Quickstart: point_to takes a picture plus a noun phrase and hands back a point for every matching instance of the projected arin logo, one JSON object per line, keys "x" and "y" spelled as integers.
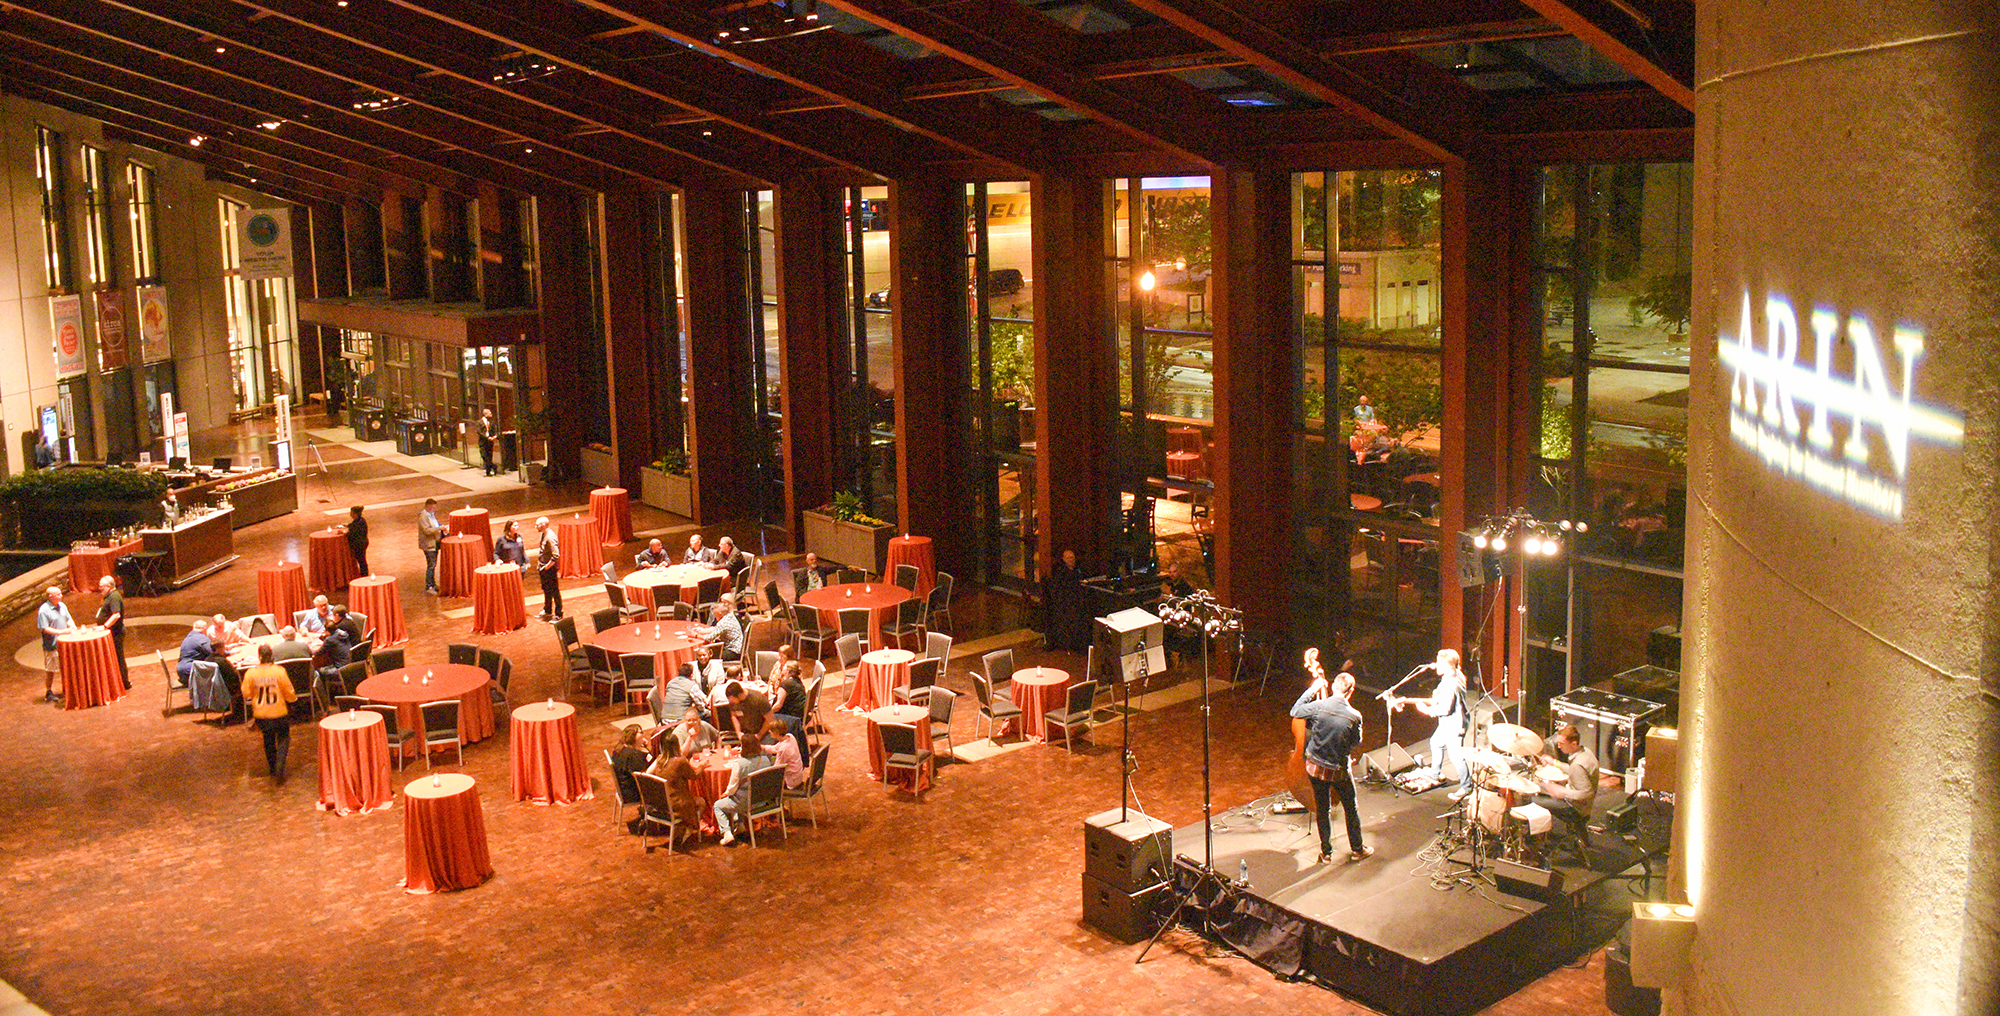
{"x": 1782, "y": 410}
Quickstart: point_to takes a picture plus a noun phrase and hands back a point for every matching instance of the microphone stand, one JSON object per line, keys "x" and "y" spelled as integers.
{"x": 1389, "y": 723}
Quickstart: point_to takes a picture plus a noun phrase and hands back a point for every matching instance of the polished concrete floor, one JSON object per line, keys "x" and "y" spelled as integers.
{"x": 150, "y": 866}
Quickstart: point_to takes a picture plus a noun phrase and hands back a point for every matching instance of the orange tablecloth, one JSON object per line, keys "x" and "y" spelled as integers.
{"x": 881, "y": 597}
{"x": 672, "y": 643}
{"x": 1037, "y": 690}
{"x": 878, "y": 757}
{"x": 914, "y": 550}
{"x": 612, "y": 508}
{"x": 1186, "y": 466}
{"x": 89, "y": 668}
{"x": 444, "y": 835}
{"x": 354, "y": 764}
{"x": 711, "y": 778}
{"x": 474, "y": 522}
{"x": 545, "y": 758}
{"x": 281, "y": 590}
{"x": 87, "y": 566}
{"x": 457, "y": 557}
{"x": 1184, "y": 439}
{"x": 332, "y": 566}
{"x": 376, "y": 596}
{"x": 1363, "y": 502}
{"x": 684, "y": 579}
{"x": 497, "y": 604}
{"x": 576, "y": 541}
{"x": 877, "y": 677}
{"x": 461, "y": 681}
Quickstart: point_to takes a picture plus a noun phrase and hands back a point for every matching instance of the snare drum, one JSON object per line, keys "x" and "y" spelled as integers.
{"x": 1487, "y": 808}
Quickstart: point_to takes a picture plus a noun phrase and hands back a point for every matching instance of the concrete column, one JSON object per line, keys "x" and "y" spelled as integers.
{"x": 720, "y": 424}
{"x": 1836, "y": 813}
{"x": 566, "y": 285}
{"x": 626, "y": 228}
{"x": 1076, "y": 373}
{"x": 927, "y": 301}
{"x": 812, "y": 287}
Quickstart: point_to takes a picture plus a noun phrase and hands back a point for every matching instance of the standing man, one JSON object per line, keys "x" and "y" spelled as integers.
{"x": 269, "y": 691}
{"x": 429, "y": 532}
{"x": 1333, "y": 728}
{"x": 53, "y": 619}
{"x": 1447, "y": 704}
{"x": 488, "y": 430}
{"x": 111, "y": 614}
{"x": 357, "y": 538}
{"x": 548, "y": 558}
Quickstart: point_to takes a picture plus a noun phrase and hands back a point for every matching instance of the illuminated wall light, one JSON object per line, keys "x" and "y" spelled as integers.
{"x": 196, "y": 141}
{"x": 1662, "y": 944}
{"x": 221, "y": 49}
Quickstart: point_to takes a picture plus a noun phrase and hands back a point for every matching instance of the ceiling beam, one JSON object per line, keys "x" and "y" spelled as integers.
{"x": 1437, "y": 132}
{"x": 1659, "y": 55}
{"x": 1011, "y": 43}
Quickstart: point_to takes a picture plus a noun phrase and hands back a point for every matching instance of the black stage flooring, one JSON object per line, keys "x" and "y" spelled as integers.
{"x": 1378, "y": 929}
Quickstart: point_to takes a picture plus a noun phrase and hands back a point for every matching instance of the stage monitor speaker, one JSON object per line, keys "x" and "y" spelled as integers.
{"x": 1128, "y": 855}
{"x": 1127, "y": 916}
{"x": 1663, "y": 647}
{"x": 1543, "y": 884}
{"x": 1488, "y": 711}
{"x": 1389, "y": 761}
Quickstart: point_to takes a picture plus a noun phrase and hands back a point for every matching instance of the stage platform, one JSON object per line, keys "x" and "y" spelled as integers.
{"x": 1379, "y": 930}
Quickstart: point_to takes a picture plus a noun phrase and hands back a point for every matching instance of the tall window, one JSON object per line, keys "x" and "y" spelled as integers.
{"x": 1001, "y": 342}
{"x": 760, "y": 243}
{"x": 55, "y": 212}
{"x": 97, "y": 214}
{"x": 867, "y": 408}
{"x": 145, "y": 221}
{"x": 262, "y": 321}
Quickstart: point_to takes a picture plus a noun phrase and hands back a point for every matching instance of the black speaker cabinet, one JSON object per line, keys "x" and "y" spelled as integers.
{"x": 1127, "y": 916}
{"x": 1543, "y": 884}
{"x": 1621, "y": 996}
{"x": 1129, "y": 855}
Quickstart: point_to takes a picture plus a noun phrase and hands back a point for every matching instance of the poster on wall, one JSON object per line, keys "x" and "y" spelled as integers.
{"x": 154, "y": 344}
{"x": 111, "y": 353}
{"x": 66, "y": 326}
{"x": 266, "y": 243}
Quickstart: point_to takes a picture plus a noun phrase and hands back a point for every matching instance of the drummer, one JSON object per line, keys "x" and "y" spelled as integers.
{"x": 1571, "y": 797}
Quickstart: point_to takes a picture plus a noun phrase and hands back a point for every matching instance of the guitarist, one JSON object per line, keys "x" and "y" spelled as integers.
{"x": 1447, "y": 704}
{"x": 1332, "y": 729}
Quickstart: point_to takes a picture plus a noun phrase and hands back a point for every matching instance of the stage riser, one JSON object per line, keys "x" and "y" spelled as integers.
{"x": 1458, "y": 985}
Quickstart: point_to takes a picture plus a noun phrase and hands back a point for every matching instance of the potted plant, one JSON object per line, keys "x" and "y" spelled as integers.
{"x": 598, "y": 464}
{"x": 667, "y": 485}
{"x": 843, "y": 533}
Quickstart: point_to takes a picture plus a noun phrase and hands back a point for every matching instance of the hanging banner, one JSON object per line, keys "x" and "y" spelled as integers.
{"x": 111, "y": 353}
{"x": 267, "y": 243}
{"x": 154, "y": 344}
{"x": 66, "y": 326}
{"x": 167, "y": 423}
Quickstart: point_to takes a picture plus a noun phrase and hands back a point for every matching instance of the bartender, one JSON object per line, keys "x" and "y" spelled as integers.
{"x": 170, "y": 511}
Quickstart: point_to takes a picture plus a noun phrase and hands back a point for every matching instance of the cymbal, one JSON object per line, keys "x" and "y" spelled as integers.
{"x": 1515, "y": 782}
{"x": 1514, "y": 740}
{"x": 1485, "y": 758}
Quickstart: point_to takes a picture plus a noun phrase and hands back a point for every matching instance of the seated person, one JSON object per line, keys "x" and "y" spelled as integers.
{"x": 788, "y": 702}
{"x": 785, "y": 750}
{"x": 696, "y": 553}
{"x": 673, "y": 766}
{"x": 733, "y": 561}
{"x": 728, "y": 630}
{"x": 811, "y": 575}
{"x": 627, "y": 758}
{"x": 346, "y": 622}
{"x": 316, "y": 622}
{"x": 508, "y": 549}
{"x": 1570, "y": 801}
{"x": 735, "y": 800}
{"x": 195, "y": 646}
{"x": 223, "y": 632}
{"x": 335, "y": 651}
{"x": 677, "y": 694}
{"x": 290, "y": 646}
{"x": 654, "y": 556}
{"x": 694, "y": 734}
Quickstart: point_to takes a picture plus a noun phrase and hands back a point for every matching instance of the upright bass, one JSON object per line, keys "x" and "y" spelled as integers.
{"x": 1295, "y": 766}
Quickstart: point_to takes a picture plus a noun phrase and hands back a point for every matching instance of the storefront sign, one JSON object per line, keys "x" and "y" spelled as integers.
{"x": 111, "y": 353}
{"x": 266, "y": 236}
{"x": 66, "y": 327}
{"x": 181, "y": 435}
{"x": 154, "y": 342}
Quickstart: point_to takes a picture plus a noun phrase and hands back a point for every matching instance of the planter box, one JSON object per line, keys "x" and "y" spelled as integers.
{"x": 669, "y": 492}
{"x": 848, "y": 543}
{"x": 600, "y": 469}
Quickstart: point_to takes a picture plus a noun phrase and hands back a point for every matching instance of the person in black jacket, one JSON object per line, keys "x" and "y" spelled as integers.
{"x": 1333, "y": 728}
{"x": 357, "y": 538}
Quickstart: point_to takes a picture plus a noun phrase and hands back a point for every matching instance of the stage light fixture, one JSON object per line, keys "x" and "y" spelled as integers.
{"x": 1500, "y": 545}
{"x": 1479, "y": 539}
{"x": 1582, "y": 527}
{"x": 1564, "y": 525}
{"x": 1532, "y": 545}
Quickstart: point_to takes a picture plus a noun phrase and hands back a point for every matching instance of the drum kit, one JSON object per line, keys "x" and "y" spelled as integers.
{"x": 1500, "y": 817}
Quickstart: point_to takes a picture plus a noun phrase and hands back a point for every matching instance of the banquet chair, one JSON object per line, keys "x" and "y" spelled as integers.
{"x": 767, "y": 798}
{"x": 765, "y": 660}
{"x": 855, "y": 621}
{"x": 604, "y": 619}
{"x": 349, "y": 677}
{"x": 999, "y": 666}
{"x": 992, "y": 708}
{"x": 849, "y": 651}
{"x": 392, "y": 727}
{"x": 806, "y": 628}
{"x": 941, "y": 701}
{"x": 385, "y": 659}
{"x": 610, "y": 572}
{"x": 618, "y": 798}
{"x": 938, "y": 605}
{"x": 605, "y": 672}
{"x": 206, "y": 689}
{"x": 900, "y": 751}
{"x": 938, "y": 647}
{"x": 815, "y": 723}
{"x": 923, "y": 678}
{"x": 466, "y": 654}
{"x": 572, "y": 650}
{"x": 708, "y": 595}
{"x": 907, "y": 575}
{"x": 677, "y": 610}
{"x": 637, "y": 669}
{"x": 814, "y": 790}
{"x": 489, "y": 661}
{"x": 440, "y": 721}
{"x": 367, "y": 630}
{"x": 499, "y": 692}
{"x": 615, "y": 592}
{"x": 774, "y": 601}
{"x": 299, "y": 618}
{"x": 1077, "y": 711}
{"x": 1106, "y": 682}
{"x": 361, "y": 652}
{"x": 655, "y": 808}
{"x": 173, "y": 684}
{"x": 300, "y": 673}
{"x": 747, "y": 578}
{"x": 853, "y": 575}
{"x": 342, "y": 703}
{"x": 909, "y": 621}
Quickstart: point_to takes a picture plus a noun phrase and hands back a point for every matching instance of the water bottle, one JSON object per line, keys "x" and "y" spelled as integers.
{"x": 1243, "y": 871}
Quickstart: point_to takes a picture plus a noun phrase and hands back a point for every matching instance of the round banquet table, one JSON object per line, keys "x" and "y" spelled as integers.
{"x": 878, "y": 757}
{"x": 612, "y": 508}
{"x": 1184, "y": 439}
{"x": 881, "y": 597}
{"x": 672, "y": 643}
{"x": 87, "y": 566}
{"x": 281, "y": 590}
{"x": 576, "y": 541}
{"x": 685, "y": 580}
{"x": 376, "y": 597}
{"x": 1037, "y": 690}
{"x": 497, "y": 605}
{"x": 1185, "y": 466}
{"x": 545, "y": 758}
{"x": 457, "y": 557}
{"x": 327, "y": 555}
{"x": 243, "y": 655}
{"x": 1363, "y": 502}
{"x": 354, "y": 763}
{"x": 875, "y": 680}
{"x": 478, "y": 522}
{"x": 711, "y": 778}
{"x": 90, "y": 674}
{"x": 444, "y": 835}
{"x": 461, "y": 681}
{"x": 916, "y": 550}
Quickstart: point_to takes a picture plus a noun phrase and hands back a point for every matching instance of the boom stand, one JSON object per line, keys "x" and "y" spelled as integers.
{"x": 1389, "y": 724}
